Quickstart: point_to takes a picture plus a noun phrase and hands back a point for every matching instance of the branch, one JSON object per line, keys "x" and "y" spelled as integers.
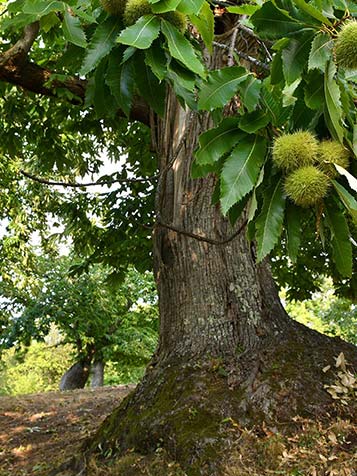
{"x": 89, "y": 184}
{"x": 16, "y": 69}
{"x": 203, "y": 238}
{"x": 21, "y": 48}
{"x": 243, "y": 55}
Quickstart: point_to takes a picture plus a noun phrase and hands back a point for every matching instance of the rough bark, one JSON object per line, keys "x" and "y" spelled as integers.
{"x": 227, "y": 350}
{"x": 97, "y": 374}
{"x": 75, "y": 377}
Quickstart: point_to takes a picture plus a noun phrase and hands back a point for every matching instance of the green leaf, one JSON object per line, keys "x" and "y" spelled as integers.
{"x": 181, "y": 49}
{"x": 333, "y": 102}
{"x": 179, "y": 75}
{"x": 220, "y": 87}
{"x": 352, "y": 181}
{"x": 273, "y": 23}
{"x": 103, "y": 101}
{"x": 163, "y": 6}
{"x": 41, "y": 8}
{"x": 288, "y": 93}
{"x": 241, "y": 170}
{"x": 295, "y": 57}
{"x": 142, "y": 33}
{"x": 149, "y": 87}
{"x": 101, "y": 43}
{"x": 72, "y": 30}
{"x": 293, "y": 230}
{"x": 249, "y": 91}
{"x": 254, "y": 121}
{"x": 321, "y": 51}
{"x": 269, "y": 223}
{"x": 243, "y": 9}
{"x": 155, "y": 58}
{"x": 314, "y": 90}
{"x": 120, "y": 79}
{"x": 218, "y": 141}
{"x": 347, "y": 199}
{"x": 312, "y": 11}
{"x": 190, "y": 7}
{"x": 204, "y": 22}
{"x": 340, "y": 240}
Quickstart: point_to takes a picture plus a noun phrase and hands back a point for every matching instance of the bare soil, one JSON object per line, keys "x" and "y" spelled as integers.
{"x": 39, "y": 431}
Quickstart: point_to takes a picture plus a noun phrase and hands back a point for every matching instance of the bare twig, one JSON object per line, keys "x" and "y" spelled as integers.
{"x": 243, "y": 55}
{"x": 203, "y": 238}
{"x": 230, "y": 61}
{"x": 89, "y": 184}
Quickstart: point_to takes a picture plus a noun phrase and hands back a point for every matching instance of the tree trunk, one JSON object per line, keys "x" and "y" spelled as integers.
{"x": 97, "y": 374}
{"x": 75, "y": 377}
{"x": 227, "y": 349}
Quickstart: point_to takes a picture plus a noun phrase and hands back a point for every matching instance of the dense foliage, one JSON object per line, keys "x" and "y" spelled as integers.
{"x": 295, "y": 82}
{"x": 97, "y": 321}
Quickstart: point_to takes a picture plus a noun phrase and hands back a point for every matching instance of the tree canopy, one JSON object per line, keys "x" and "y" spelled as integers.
{"x": 295, "y": 82}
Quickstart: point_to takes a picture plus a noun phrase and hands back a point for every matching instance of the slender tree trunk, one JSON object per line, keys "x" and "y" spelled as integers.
{"x": 97, "y": 374}
{"x": 227, "y": 348}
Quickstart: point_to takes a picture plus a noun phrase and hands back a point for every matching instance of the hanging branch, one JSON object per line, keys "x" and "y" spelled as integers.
{"x": 203, "y": 238}
{"x": 89, "y": 184}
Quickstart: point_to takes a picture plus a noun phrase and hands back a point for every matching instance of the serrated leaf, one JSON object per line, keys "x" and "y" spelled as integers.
{"x": 254, "y": 121}
{"x": 340, "y": 240}
{"x": 312, "y": 11}
{"x": 103, "y": 101}
{"x": 190, "y": 7}
{"x": 220, "y": 87}
{"x": 120, "y": 79}
{"x": 347, "y": 199}
{"x": 180, "y": 75}
{"x": 41, "y": 8}
{"x": 155, "y": 58}
{"x": 72, "y": 30}
{"x": 274, "y": 23}
{"x": 101, "y": 43}
{"x": 165, "y": 6}
{"x": 181, "y": 49}
{"x": 321, "y": 50}
{"x": 314, "y": 90}
{"x": 249, "y": 91}
{"x": 204, "y": 22}
{"x": 288, "y": 93}
{"x": 142, "y": 33}
{"x": 295, "y": 56}
{"x": 241, "y": 170}
{"x": 333, "y": 102}
{"x": 269, "y": 223}
{"x": 352, "y": 181}
{"x": 272, "y": 105}
{"x": 149, "y": 87}
{"x": 243, "y": 9}
{"x": 293, "y": 230}
{"x": 216, "y": 142}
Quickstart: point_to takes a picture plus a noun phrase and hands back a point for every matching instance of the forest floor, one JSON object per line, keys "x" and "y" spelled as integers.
{"x": 40, "y": 431}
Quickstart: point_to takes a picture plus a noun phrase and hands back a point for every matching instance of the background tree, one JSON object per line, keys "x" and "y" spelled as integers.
{"x": 267, "y": 96}
{"x": 96, "y": 319}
